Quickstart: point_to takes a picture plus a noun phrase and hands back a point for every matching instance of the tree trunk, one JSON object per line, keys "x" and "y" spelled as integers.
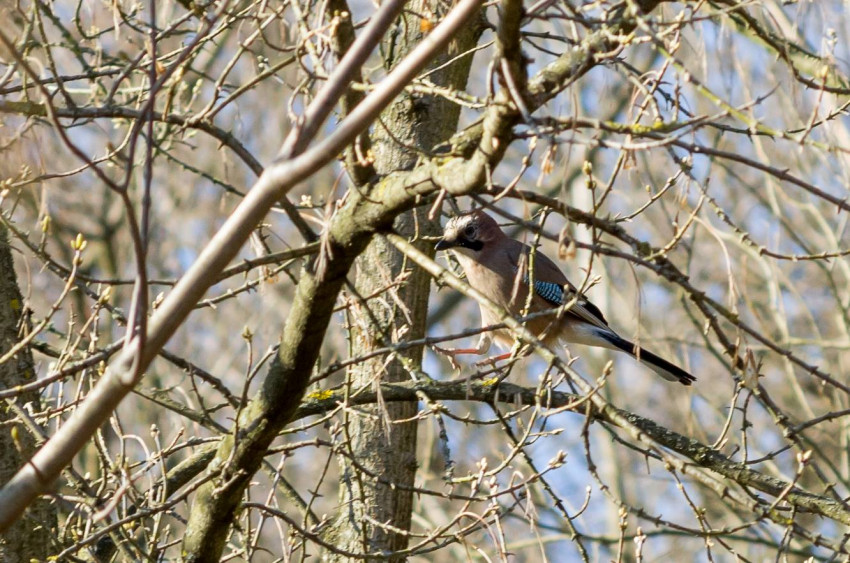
{"x": 28, "y": 539}
{"x": 386, "y": 450}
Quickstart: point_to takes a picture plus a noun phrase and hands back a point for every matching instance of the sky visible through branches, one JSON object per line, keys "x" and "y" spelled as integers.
{"x": 685, "y": 164}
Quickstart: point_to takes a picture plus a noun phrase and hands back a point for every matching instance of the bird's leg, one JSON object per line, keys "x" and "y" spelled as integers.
{"x": 483, "y": 345}
{"x": 493, "y": 360}
{"x": 518, "y": 351}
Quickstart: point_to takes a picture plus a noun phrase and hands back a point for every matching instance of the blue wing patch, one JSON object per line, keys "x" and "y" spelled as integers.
{"x": 550, "y": 291}
{"x": 557, "y": 294}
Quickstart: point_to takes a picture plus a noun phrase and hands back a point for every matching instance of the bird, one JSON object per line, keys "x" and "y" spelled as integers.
{"x": 503, "y": 268}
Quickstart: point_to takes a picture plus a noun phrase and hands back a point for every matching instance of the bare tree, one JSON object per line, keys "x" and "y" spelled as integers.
{"x": 201, "y": 398}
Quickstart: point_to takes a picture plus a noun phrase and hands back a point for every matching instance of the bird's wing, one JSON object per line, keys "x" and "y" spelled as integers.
{"x": 552, "y": 286}
{"x": 558, "y": 295}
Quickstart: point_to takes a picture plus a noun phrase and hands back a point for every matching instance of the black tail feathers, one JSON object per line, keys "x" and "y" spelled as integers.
{"x": 659, "y": 365}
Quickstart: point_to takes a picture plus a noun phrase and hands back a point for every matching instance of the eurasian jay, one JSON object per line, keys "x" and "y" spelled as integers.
{"x": 501, "y": 267}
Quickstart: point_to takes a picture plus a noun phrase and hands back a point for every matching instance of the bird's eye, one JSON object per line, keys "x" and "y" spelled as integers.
{"x": 469, "y": 231}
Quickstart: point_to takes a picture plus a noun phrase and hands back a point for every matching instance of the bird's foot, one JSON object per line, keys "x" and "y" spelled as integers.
{"x": 492, "y": 360}
{"x": 451, "y": 353}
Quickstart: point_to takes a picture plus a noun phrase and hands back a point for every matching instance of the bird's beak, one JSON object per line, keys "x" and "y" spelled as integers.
{"x": 444, "y": 244}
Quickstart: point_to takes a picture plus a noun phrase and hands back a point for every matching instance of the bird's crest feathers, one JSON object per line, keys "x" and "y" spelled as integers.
{"x": 474, "y": 226}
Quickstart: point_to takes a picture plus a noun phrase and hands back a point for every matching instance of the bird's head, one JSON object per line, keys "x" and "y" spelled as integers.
{"x": 469, "y": 233}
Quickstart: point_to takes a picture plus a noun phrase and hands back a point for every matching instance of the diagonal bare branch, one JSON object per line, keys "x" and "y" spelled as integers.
{"x": 276, "y": 180}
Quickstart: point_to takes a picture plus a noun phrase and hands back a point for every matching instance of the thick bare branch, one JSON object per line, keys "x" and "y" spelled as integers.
{"x": 697, "y": 453}
{"x": 274, "y": 182}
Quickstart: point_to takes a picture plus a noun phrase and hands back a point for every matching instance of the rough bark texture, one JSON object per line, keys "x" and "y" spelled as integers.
{"x": 384, "y": 449}
{"x": 28, "y": 539}
{"x": 387, "y": 450}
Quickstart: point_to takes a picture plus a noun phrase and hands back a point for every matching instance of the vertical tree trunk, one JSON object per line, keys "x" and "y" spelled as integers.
{"x": 387, "y": 450}
{"x": 28, "y": 539}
